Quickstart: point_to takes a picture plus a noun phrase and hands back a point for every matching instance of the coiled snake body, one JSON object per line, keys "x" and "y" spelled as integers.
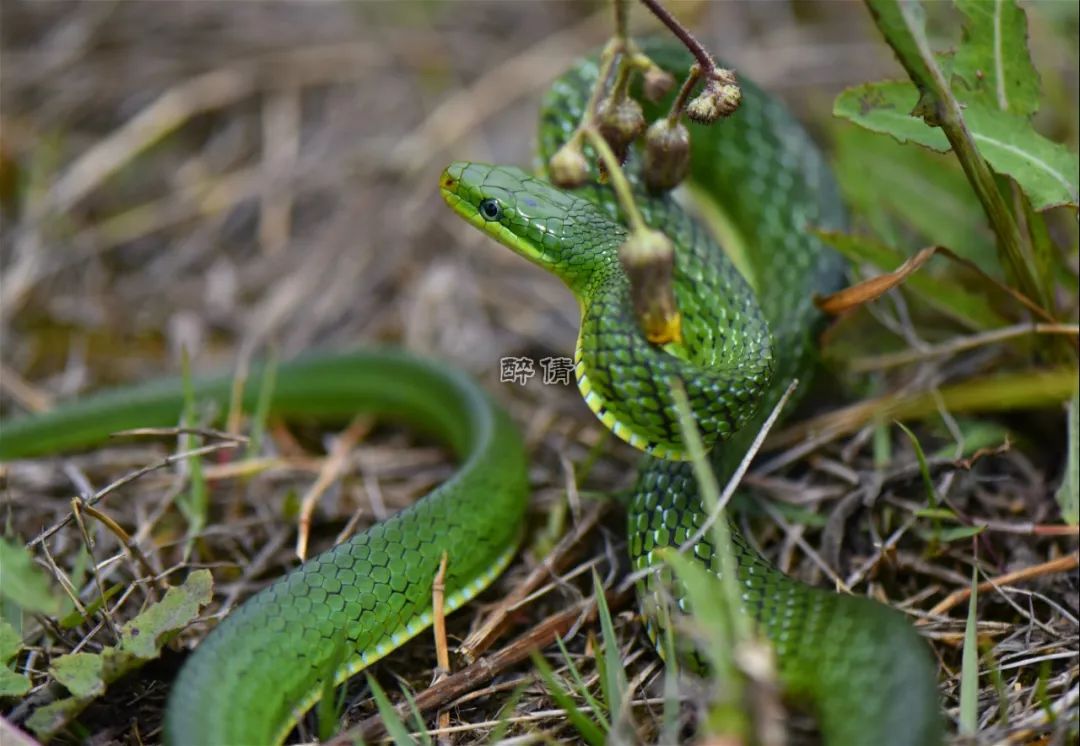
{"x": 860, "y": 665}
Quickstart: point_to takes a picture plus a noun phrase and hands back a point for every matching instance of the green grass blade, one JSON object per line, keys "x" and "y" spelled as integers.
{"x": 581, "y": 687}
{"x": 614, "y": 673}
{"x": 969, "y": 670}
{"x": 417, "y": 716}
{"x": 262, "y": 405}
{"x": 589, "y": 731}
{"x": 195, "y": 504}
{"x": 394, "y": 726}
{"x": 329, "y": 709}
{"x": 1068, "y": 494}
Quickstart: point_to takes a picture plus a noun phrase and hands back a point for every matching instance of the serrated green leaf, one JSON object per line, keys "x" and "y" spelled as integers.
{"x": 1045, "y": 170}
{"x": 144, "y": 635}
{"x": 1068, "y": 494}
{"x": 887, "y": 107}
{"x": 23, "y": 582}
{"x": 959, "y": 303}
{"x": 992, "y": 66}
{"x": 80, "y": 673}
{"x": 140, "y": 640}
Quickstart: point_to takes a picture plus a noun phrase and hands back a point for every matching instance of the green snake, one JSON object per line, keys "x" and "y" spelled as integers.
{"x": 861, "y": 667}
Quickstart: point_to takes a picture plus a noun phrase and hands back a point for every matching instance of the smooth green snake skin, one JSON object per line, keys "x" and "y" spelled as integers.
{"x": 860, "y": 665}
{"x": 259, "y": 670}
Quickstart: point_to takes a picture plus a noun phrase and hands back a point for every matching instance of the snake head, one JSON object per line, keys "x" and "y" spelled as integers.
{"x": 562, "y": 233}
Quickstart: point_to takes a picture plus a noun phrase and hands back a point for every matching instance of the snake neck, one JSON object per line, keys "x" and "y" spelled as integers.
{"x": 724, "y": 361}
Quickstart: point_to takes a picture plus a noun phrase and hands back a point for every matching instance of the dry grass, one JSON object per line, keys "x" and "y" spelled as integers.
{"x": 238, "y": 178}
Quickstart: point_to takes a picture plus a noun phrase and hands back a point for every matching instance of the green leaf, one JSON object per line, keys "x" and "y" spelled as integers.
{"x": 81, "y": 673}
{"x": 992, "y": 65}
{"x": 1068, "y": 494}
{"x": 887, "y": 107}
{"x": 1045, "y": 170}
{"x": 11, "y": 684}
{"x": 144, "y": 635}
{"x": 10, "y": 642}
{"x": 884, "y": 181}
{"x": 971, "y": 310}
{"x": 24, "y": 583}
{"x": 87, "y": 674}
{"x": 48, "y": 720}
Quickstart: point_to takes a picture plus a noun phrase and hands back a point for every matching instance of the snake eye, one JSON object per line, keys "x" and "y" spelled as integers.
{"x": 490, "y": 209}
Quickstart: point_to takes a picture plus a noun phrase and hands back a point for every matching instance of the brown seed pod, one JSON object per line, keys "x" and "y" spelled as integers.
{"x": 648, "y": 257}
{"x": 658, "y": 83}
{"x": 620, "y": 122}
{"x": 667, "y": 154}
{"x": 720, "y": 98}
{"x": 568, "y": 168}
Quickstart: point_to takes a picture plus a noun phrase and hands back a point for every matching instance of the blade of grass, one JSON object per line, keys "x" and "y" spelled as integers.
{"x": 194, "y": 506}
{"x": 931, "y": 491}
{"x": 589, "y": 731}
{"x": 1068, "y": 494}
{"x": 262, "y": 405}
{"x": 710, "y": 495}
{"x": 394, "y": 726}
{"x": 417, "y": 716}
{"x": 614, "y": 673}
{"x": 329, "y": 709}
{"x": 580, "y": 685}
{"x": 969, "y": 670}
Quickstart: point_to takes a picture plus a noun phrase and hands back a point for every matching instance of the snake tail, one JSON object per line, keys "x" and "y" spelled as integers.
{"x": 262, "y": 668}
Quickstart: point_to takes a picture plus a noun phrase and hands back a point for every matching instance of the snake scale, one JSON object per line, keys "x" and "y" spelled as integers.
{"x": 860, "y": 665}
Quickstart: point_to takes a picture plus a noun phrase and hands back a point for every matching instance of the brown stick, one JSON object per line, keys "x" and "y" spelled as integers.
{"x": 480, "y": 640}
{"x": 1061, "y": 564}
